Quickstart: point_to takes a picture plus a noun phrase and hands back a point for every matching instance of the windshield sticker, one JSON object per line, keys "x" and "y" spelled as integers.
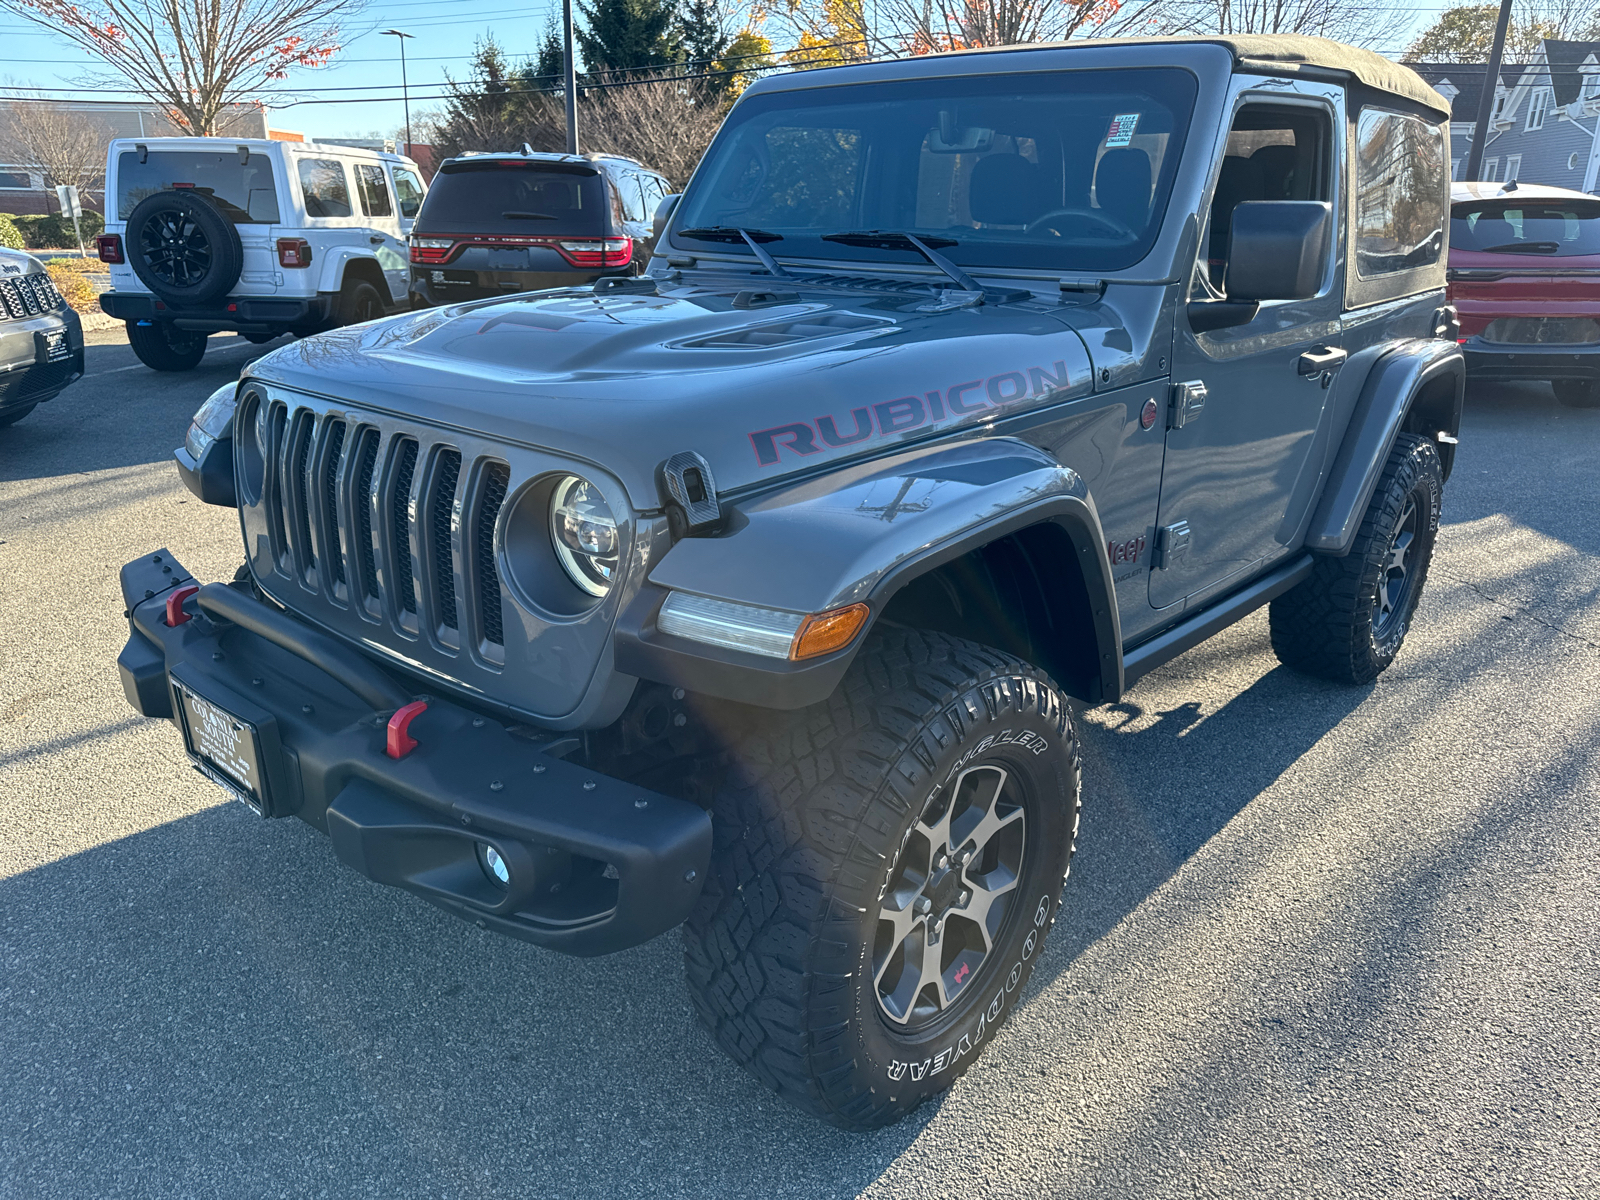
{"x": 1121, "y": 132}
{"x": 906, "y": 413}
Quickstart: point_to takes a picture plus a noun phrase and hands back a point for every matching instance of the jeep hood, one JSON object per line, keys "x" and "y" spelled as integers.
{"x": 761, "y": 385}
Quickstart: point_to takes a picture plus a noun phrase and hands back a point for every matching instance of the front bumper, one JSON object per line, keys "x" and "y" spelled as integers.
{"x": 597, "y": 865}
{"x": 27, "y": 377}
{"x": 238, "y": 314}
{"x": 1508, "y": 361}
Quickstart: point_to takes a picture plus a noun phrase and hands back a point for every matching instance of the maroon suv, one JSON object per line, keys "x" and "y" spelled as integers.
{"x": 1525, "y": 277}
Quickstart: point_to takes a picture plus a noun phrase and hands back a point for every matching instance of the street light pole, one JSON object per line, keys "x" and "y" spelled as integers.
{"x": 1491, "y": 76}
{"x": 405, "y": 91}
{"x": 572, "y": 77}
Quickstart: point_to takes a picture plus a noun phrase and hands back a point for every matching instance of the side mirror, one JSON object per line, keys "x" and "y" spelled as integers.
{"x": 1278, "y": 249}
{"x": 663, "y": 215}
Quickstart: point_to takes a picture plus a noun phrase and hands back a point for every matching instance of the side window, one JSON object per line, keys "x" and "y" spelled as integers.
{"x": 374, "y": 191}
{"x": 1272, "y": 154}
{"x": 408, "y": 190}
{"x": 626, "y": 184}
{"x": 1400, "y": 193}
{"x": 323, "y": 185}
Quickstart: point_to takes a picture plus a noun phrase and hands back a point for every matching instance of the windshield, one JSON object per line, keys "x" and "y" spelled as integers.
{"x": 500, "y": 196}
{"x": 1547, "y": 229}
{"x": 245, "y": 192}
{"x": 1068, "y": 170}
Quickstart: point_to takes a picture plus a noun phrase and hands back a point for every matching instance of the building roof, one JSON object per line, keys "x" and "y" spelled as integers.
{"x": 1566, "y": 60}
{"x": 1466, "y": 79}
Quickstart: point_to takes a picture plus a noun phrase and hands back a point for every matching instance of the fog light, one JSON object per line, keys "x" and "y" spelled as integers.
{"x": 494, "y": 864}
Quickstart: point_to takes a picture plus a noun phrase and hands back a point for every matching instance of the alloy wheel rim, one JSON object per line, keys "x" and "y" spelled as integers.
{"x": 948, "y": 895}
{"x": 176, "y": 250}
{"x": 1395, "y": 574}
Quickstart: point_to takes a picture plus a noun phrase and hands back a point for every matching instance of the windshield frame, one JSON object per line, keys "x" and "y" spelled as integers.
{"x": 1195, "y": 94}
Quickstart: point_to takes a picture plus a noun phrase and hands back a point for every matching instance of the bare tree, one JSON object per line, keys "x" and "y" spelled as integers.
{"x": 69, "y": 147}
{"x": 194, "y": 58}
{"x": 666, "y": 124}
{"x": 1357, "y": 22}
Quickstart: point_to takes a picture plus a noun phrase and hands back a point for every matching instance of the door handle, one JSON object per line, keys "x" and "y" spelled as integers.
{"x": 376, "y": 241}
{"x": 1321, "y": 358}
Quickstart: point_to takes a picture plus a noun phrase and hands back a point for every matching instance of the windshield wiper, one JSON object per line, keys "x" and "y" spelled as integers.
{"x": 526, "y": 216}
{"x": 888, "y": 239}
{"x": 1524, "y": 248}
{"x": 750, "y": 237}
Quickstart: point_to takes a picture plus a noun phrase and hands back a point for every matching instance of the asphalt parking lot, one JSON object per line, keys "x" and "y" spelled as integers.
{"x": 1317, "y": 942}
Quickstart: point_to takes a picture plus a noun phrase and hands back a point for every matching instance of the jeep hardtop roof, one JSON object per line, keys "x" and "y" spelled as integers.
{"x": 255, "y": 144}
{"x": 1277, "y": 52}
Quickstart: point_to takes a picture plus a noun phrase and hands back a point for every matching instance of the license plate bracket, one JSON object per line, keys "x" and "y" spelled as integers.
{"x": 230, "y": 741}
{"x": 52, "y": 346}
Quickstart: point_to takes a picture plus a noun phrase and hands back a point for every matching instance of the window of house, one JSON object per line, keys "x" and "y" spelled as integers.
{"x": 1538, "y": 104}
{"x": 1572, "y": 161}
{"x": 1591, "y": 87}
{"x": 1499, "y": 104}
{"x": 1455, "y": 168}
{"x": 323, "y": 184}
{"x": 408, "y": 188}
{"x": 1400, "y": 193}
{"x": 374, "y": 190}
{"x": 1272, "y": 154}
{"x": 1513, "y": 165}
{"x": 1491, "y": 170}
{"x": 16, "y": 179}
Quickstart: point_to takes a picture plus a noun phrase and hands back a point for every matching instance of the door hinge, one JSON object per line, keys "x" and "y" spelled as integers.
{"x": 1188, "y": 402}
{"x": 1172, "y": 545}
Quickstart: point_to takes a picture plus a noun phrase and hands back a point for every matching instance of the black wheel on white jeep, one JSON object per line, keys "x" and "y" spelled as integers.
{"x": 359, "y": 302}
{"x": 164, "y": 347}
{"x": 887, "y": 864}
{"x": 183, "y": 248}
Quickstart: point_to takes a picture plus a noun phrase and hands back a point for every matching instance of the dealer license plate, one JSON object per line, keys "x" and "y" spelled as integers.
{"x": 226, "y": 749}
{"x": 55, "y": 346}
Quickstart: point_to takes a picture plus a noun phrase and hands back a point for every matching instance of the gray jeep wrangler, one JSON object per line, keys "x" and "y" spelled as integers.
{"x": 754, "y": 595}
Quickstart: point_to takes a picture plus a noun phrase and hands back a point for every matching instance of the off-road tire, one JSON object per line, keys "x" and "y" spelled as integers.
{"x": 12, "y": 416}
{"x": 1577, "y": 393}
{"x": 1331, "y": 625}
{"x": 811, "y": 816}
{"x": 359, "y": 302}
{"x": 161, "y": 347}
{"x": 183, "y": 248}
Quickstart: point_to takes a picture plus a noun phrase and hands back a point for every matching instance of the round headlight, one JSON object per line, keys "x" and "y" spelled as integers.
{"x": 585, "y": 534}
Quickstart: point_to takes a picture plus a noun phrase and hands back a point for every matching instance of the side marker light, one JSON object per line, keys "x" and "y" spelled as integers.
{"x": 824, "y": 632}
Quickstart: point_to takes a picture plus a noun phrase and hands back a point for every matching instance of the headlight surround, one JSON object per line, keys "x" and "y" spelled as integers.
{"x": 212, "y": 420}
{"x": 583, "y": 530}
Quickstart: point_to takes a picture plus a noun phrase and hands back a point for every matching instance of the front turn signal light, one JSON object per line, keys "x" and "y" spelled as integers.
{"x": 825, "y": 632}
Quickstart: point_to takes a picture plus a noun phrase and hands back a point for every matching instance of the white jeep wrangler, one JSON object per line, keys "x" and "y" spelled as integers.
{"x": 260, "y": 237}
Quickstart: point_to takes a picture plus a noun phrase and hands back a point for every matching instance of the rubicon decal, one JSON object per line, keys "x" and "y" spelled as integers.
{"x": 888, "y": 418}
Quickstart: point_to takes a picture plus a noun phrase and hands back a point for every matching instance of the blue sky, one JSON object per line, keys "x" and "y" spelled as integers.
{"x": 369, "y": 65}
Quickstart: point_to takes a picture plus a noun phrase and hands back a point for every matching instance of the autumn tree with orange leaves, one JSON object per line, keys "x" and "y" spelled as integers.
{"x": 194, "y": 58}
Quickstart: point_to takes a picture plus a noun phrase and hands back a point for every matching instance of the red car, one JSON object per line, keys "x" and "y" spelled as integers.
{"x": 1525, "y": 277}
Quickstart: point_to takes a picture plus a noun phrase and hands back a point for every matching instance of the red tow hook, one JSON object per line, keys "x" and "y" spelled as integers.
{"x": 401, "y": 743}
{"x": 175, "y": 614}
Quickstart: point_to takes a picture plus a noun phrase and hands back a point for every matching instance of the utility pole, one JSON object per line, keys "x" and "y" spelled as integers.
{"x": 405, "y": 91}
{"x": 1480, "y": 133}
{"x": 572, "y": 78}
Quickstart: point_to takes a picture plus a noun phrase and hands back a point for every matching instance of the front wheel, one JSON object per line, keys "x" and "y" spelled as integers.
{"x": 163, "y": 347}
{"x": 1347, "y": 622}
{"x": 1577, "y": 393}
{"x": 886, "y": 867}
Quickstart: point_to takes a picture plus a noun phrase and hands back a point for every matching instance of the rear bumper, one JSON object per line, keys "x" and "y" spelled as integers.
{"x": 433, "y": 286}
{"x": 237, "y": 314}
{"x": 1499, "y": 360}
{"x": 596, "y": 864}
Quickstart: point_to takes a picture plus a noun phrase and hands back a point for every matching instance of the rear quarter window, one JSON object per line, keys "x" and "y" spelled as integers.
{"x": 324, "y": 187}
{"x": 374, "y": 190}
{"x": 1400, "y": 192}
{"x": 246, "y": 192}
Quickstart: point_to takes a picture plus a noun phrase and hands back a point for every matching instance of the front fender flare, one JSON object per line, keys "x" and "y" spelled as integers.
{"x": 1390, "y": 390}
{"x": 859, "y": 534}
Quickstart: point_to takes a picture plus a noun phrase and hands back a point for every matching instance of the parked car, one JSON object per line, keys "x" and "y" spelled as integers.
{"x": 262, "y": 237}
{"x": 754, "y": 595}
{"x": 500, "y": 223}
{"x": 1525, "y": 278}
{"x": 41, "y": 338}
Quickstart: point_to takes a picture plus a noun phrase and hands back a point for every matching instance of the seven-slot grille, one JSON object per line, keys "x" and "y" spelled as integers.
{"x": 28, "y": 296}
{"x": 373, "y": 519}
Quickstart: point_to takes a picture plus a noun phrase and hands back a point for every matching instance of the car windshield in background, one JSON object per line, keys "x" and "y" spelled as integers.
{"x": 1540, "y": 230}
{"x": 1069, "y": 170}
{"x": 244, "y": 192}
{"x": 501, "y": 196}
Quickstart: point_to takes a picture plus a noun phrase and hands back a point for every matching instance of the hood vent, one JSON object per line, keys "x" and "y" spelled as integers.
{"x": 808, "y": 328}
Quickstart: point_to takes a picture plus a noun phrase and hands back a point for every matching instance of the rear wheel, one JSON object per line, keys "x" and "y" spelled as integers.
{"x": 1577, "y": 393}
{"x": 887, "y": 864}
{"x": 161, "y": 347}
{"x": 359, "y": 302}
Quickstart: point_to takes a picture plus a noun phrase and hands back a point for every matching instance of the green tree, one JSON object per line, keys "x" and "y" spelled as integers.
{"x": 1465, "y": 34}
{"x": 550, "y": 64}
{"x": 497, "y": 107}
{"x": 701, "y": 33}
{"x": 621, "y": 35}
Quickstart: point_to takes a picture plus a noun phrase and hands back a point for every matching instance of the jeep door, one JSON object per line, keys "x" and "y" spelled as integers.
{"x": 383, "y": 228}
{"x": 1239, "y": 472}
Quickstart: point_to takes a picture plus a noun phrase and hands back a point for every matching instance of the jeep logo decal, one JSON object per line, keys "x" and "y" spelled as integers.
{"x": 889, "y": 417}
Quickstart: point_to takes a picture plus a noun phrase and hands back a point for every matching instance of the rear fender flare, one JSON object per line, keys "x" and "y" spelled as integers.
{"x": 343, "y": 263}
{"x": 860, "y": 534}
{"x": 1388, "y": 405}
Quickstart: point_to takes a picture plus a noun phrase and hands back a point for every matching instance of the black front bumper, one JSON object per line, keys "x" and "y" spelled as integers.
{"x": 238, "y": 314}
{"x": 31, "y": 378}
{"x": 1500, "y": 360}
{"x": 596, "y": 864}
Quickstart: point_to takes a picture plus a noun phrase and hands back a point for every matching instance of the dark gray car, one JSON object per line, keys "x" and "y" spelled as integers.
{"x": 41, "y": 338}
{"x": 755, "y": 595}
